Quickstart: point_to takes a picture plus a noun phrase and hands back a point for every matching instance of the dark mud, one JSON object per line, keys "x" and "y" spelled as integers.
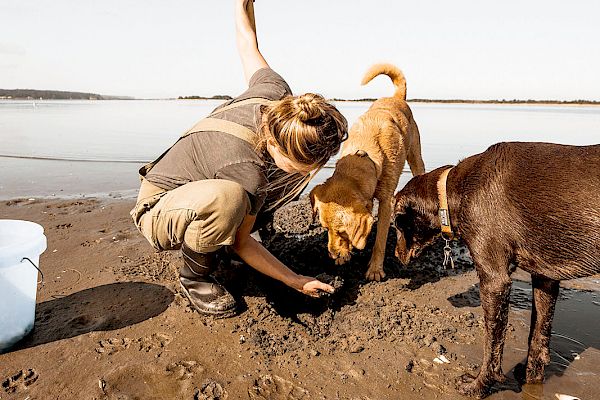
{"x": 360, "y": 314}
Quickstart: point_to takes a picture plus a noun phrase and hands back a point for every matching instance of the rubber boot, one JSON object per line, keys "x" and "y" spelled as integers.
{"x": 204, "y": 292}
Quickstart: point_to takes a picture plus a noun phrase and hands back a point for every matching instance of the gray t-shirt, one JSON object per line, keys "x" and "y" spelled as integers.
{"x": 218, "y": 155}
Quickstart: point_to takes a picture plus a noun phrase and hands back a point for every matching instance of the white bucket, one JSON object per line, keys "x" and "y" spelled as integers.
{"x": 19, "y": 241}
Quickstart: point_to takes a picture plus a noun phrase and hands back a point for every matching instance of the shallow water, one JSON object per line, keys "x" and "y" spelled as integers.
{"x": 574, "y": 346}
{"x": 67, "y": 148}
{"x": 570, "y": 336}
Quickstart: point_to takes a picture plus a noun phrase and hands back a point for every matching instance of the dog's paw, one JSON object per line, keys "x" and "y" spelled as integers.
{"x": 470, "y": 386}
{"x": 375, "y": 274}
{"x": 342, "y": 259}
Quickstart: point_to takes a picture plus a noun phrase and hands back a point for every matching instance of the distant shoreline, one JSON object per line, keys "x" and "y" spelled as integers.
{"x": 465, "y": 101}
{"x": 34, "y": 94}
{"x": 31, "y": 94}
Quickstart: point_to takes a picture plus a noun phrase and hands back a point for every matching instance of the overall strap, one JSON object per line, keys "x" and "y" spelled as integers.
{"x": 209, "y": 124}
{"x": 252, "y": 100}
{"x": 221, "y": 125}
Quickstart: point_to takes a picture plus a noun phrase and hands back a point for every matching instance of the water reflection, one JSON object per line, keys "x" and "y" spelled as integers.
{"x": 575, "y": 330}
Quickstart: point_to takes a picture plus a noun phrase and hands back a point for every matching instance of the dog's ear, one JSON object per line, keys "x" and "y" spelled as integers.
{"x": 399, "y": 204}
{"x": 360, "y": 229}
{"x": 402, "y": 252}
{"x": 403, "y": 220}
{"x": 314, "y": 201}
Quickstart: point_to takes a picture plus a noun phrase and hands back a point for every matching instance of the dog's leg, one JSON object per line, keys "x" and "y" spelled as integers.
{"x": 384, "y": 216}
{"x": 414, "y": 156}
{"x": 545, "y": 293}
{"x": 494, "y": 291}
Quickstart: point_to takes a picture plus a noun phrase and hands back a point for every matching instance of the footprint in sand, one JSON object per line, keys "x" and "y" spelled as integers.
{"x": 86, "y": 323}
{"x": 74, "y": 207}
{"x": 158, "y": 267}
{"x": 211, "y": 390}
{"x": 113, "y": 345}
{"x": 151, "y": 382}
{"x": 64, "y": 226}
{"x": 183, "y": 370}
{"x": 143, "y": 381}
{"x": 157, "y": 341}
{"x": 20, "y": 381}
{"x": 273, "y": 387}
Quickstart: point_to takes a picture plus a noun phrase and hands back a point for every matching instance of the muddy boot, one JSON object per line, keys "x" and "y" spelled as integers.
{"x": 204, "y": 292}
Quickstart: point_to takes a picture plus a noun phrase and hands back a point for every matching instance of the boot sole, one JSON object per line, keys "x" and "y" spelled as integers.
{"x": 215, "y": 315}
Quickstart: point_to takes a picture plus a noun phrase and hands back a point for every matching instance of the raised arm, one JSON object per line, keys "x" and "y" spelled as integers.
{"x": 245, "y": 28}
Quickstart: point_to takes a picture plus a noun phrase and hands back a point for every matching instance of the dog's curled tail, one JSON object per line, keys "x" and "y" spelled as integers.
{"x": 393, "y": 72}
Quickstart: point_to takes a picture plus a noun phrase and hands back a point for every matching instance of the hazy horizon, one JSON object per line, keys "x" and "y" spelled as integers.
{"x": 357, "y": 99}
{"x": 539, "y": 50}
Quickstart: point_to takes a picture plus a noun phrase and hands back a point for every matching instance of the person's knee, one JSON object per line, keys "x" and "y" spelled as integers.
{"x": 220, "y": 219}
{"x": 233, "y": 201}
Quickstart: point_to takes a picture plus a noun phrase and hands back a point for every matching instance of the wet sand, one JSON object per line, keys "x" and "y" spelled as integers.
{"x": 111, "y": 322}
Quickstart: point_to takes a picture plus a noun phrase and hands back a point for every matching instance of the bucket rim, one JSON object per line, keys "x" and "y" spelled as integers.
{"x": 35, "y": 245}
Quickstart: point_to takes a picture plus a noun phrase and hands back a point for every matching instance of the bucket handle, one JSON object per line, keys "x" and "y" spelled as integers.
{"x": 36, "y": 267}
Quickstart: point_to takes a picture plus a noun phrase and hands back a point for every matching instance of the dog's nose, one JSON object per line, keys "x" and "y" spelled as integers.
{"x": 332, "y": 255}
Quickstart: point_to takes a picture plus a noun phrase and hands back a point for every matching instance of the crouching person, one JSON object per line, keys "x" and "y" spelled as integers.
{"x": 249, "y": 156}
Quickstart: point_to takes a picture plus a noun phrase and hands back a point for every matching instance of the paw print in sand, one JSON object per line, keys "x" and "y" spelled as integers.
{"x": 183, "y": 370}
{"x": 113, "y": 345}
{"x": 155, "y": 342}
{"x": 211, "y": 390}
{"x": 273, "y": 387}
{"x": 20, "y": 381}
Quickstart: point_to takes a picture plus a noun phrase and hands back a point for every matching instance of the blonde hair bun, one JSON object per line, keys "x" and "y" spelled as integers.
{"x": 308, "y": 106}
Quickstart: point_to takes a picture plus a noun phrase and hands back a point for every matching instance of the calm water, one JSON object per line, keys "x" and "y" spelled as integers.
{"x": 95, "y": 147}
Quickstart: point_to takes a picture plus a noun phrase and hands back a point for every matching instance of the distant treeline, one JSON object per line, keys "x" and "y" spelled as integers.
{"x": 33, "y": 94}
{"x": 55, "y": 95}
{"x": 216, "y": 97}
{"x": 514, "y": 101}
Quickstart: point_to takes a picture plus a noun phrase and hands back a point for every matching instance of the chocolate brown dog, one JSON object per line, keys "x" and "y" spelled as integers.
{"x": 379, "y": 143}
{"x": 533, "y": 205}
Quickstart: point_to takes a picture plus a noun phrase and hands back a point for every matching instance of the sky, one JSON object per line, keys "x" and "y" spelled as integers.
{"x": 461, "y": 49}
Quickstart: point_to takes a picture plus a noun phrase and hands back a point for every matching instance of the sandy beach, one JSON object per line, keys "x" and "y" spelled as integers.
{"x": 111, "y": 322}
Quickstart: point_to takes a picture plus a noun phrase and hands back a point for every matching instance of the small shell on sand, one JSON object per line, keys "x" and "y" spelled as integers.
{"x": 565, "y": 397}
{"x": 441, "y": 359}
{"x": 444, "y": 359}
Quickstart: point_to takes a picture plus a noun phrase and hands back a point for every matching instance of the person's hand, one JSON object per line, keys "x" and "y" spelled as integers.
{"x": 312, "y": 287}
{"x": 244, "y": 4}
